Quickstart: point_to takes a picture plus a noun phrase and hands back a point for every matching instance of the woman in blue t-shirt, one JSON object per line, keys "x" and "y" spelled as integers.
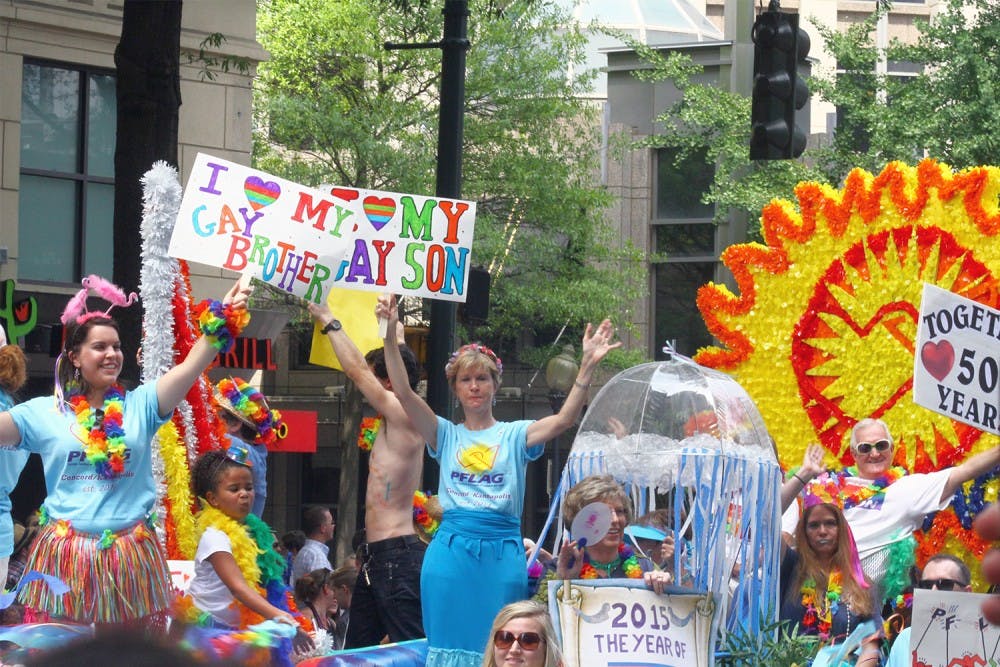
{"x": 94, "y": 440}
{"x": 475, "y": 563}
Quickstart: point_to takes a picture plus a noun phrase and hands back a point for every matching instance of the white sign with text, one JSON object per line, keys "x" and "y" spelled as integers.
{"x": 305, "y": 241}
{"x": 621, "y": 623}
{"x": 956, "y": 365}
{"x": 948, "y": 629}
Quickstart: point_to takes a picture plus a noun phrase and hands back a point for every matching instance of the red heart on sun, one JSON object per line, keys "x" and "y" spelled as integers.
{"x": 938, "y": 358}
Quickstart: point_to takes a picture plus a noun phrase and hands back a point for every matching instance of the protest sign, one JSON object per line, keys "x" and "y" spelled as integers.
{"x": 948, "y": 629}
{"x": 956, "y": 365}
{"x": 287, "y": 235}
{"x": 621, "y": 623}
{"x": 407, "y": 244}
{"x": 305, "y": 241}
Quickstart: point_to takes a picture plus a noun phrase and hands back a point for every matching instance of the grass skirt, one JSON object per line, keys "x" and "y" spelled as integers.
{"x": 113, "y": 578}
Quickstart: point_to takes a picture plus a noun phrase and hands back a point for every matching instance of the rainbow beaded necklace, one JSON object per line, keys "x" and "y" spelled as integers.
{"x": 103, "y": 436}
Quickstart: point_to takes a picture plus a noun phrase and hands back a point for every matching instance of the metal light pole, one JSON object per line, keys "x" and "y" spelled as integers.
{"x": 454, "y": 43}
{"x": 560, "y": 373}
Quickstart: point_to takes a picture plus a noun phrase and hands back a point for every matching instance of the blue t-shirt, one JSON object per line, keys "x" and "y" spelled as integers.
{"x": 483, "y": 470}
{"x": 12, "y": 460}
{"x": 76, "y": 492}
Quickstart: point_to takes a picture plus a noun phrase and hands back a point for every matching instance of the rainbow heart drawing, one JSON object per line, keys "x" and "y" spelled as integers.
{"x": 379, "y": 211}
{"x": 260, "y": 193}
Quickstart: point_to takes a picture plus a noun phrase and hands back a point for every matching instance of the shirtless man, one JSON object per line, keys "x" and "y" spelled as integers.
{"x": 386, "y": 598}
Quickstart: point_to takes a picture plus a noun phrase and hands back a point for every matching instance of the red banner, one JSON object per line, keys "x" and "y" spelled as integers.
{"x": 301, "y": 437}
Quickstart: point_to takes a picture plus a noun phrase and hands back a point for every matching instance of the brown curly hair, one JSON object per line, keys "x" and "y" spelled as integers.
{"x": 592, "y": 489}
{"x": 13, "y": 368}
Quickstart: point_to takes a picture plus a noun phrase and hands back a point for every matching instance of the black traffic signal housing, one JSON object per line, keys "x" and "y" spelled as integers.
{"x": 778, "y": 91}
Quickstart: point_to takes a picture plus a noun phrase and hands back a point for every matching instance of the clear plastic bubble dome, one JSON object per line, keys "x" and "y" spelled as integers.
{"x": 689, "y": 442}
{"x": 646, "y": 416}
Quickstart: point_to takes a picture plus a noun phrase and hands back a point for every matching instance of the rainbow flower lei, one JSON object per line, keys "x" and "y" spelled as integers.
{"x": 368, "y": 431}
{"x": 630, "y": 564}
{"x": 105, "y": 438}
{"x": 830, "y": 488}
{"x": 821, "y": 618}
{"x": 428, "y": 523}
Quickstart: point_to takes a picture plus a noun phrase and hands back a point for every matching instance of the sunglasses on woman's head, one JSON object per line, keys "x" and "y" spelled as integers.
{"x": 866, "y": 447}
{"x": 942, "y": 584}
{"x": 529, "y": 641}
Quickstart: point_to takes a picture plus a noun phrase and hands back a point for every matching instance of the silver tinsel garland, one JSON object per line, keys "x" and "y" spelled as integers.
{"x": 162, "y": 194}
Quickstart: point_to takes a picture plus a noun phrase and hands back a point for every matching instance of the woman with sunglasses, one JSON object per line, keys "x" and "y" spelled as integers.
{"x": 823, "y": 590}
{"x": 475, "y": 563}
{"x": 522, "y": 634}
{"x": 884, "y": 504}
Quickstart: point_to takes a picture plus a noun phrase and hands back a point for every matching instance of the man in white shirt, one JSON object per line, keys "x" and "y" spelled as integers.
{"x": 318, "y": 525}
{"x": 884, "y": 505}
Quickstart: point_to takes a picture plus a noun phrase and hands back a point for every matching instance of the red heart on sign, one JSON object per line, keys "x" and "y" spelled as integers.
{"x": 938, "y": 358}
{"x": 345, "y": 193}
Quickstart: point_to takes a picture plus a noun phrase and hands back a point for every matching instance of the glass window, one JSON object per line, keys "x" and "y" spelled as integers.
{"x": 694, "y": 240}
{"x": 66, "y": 201}
{"x": 47, "y": 230}
{"x": 676, "y": 316}
{"x": 680, "y": 186}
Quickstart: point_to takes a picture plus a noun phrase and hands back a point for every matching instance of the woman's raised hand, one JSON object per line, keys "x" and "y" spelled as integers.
{"x": 812, "y": 462}
{"x": 596, "y": 345}
{"x": 238, "y": 294}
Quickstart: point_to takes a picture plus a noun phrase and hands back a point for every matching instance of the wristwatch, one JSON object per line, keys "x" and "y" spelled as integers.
{"x": 332, "y": 325}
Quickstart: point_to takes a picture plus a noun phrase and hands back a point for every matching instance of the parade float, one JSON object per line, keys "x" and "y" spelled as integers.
{"x": 821, "y": 330}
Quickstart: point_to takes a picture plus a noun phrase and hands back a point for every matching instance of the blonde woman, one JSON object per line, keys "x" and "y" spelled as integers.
{"x": 483, "y": 463}
{"x": 522, "y": 634}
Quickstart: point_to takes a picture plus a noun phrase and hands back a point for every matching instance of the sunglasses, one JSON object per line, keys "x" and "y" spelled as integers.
{"x": 866, "y": 447}
{"x": 941, "y": 584}
{"x": 529, "y": 641}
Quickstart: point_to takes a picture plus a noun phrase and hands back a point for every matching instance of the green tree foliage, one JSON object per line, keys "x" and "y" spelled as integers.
{"x": 942, "y": 111}
{"x": 715, "y": 123}
{"x": 946, "y": 111}
{"x": 336, "y": 107}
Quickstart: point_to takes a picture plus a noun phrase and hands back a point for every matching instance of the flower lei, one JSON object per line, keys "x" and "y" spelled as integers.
{"x": 821, "y": 618}
{"x": 105, "y": 438}
{"x": 221, "y": 324}
{"x": 428, "y": 523}
{"x": 630, "y": 564}
{"x": 829, "y": 487}
{"x": 368, "y": 431}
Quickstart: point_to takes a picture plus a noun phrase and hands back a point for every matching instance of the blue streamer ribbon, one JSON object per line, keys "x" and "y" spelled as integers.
{"x": 55, "y": 584}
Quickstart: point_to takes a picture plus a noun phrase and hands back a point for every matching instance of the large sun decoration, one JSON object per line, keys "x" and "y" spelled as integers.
{"x": 822, "y": 332}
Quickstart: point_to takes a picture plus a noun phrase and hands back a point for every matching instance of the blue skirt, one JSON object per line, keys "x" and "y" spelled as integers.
{"x": 473, "y": 567}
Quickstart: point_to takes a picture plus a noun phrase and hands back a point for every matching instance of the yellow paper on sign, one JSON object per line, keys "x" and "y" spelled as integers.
{"x": 356, "y": 312}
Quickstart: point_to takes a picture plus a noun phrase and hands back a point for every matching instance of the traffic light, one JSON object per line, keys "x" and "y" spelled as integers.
{"x": 778, "y": 92}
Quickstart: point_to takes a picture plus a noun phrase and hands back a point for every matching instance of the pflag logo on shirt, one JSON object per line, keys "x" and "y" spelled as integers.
{"x": 478, "y": 457}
